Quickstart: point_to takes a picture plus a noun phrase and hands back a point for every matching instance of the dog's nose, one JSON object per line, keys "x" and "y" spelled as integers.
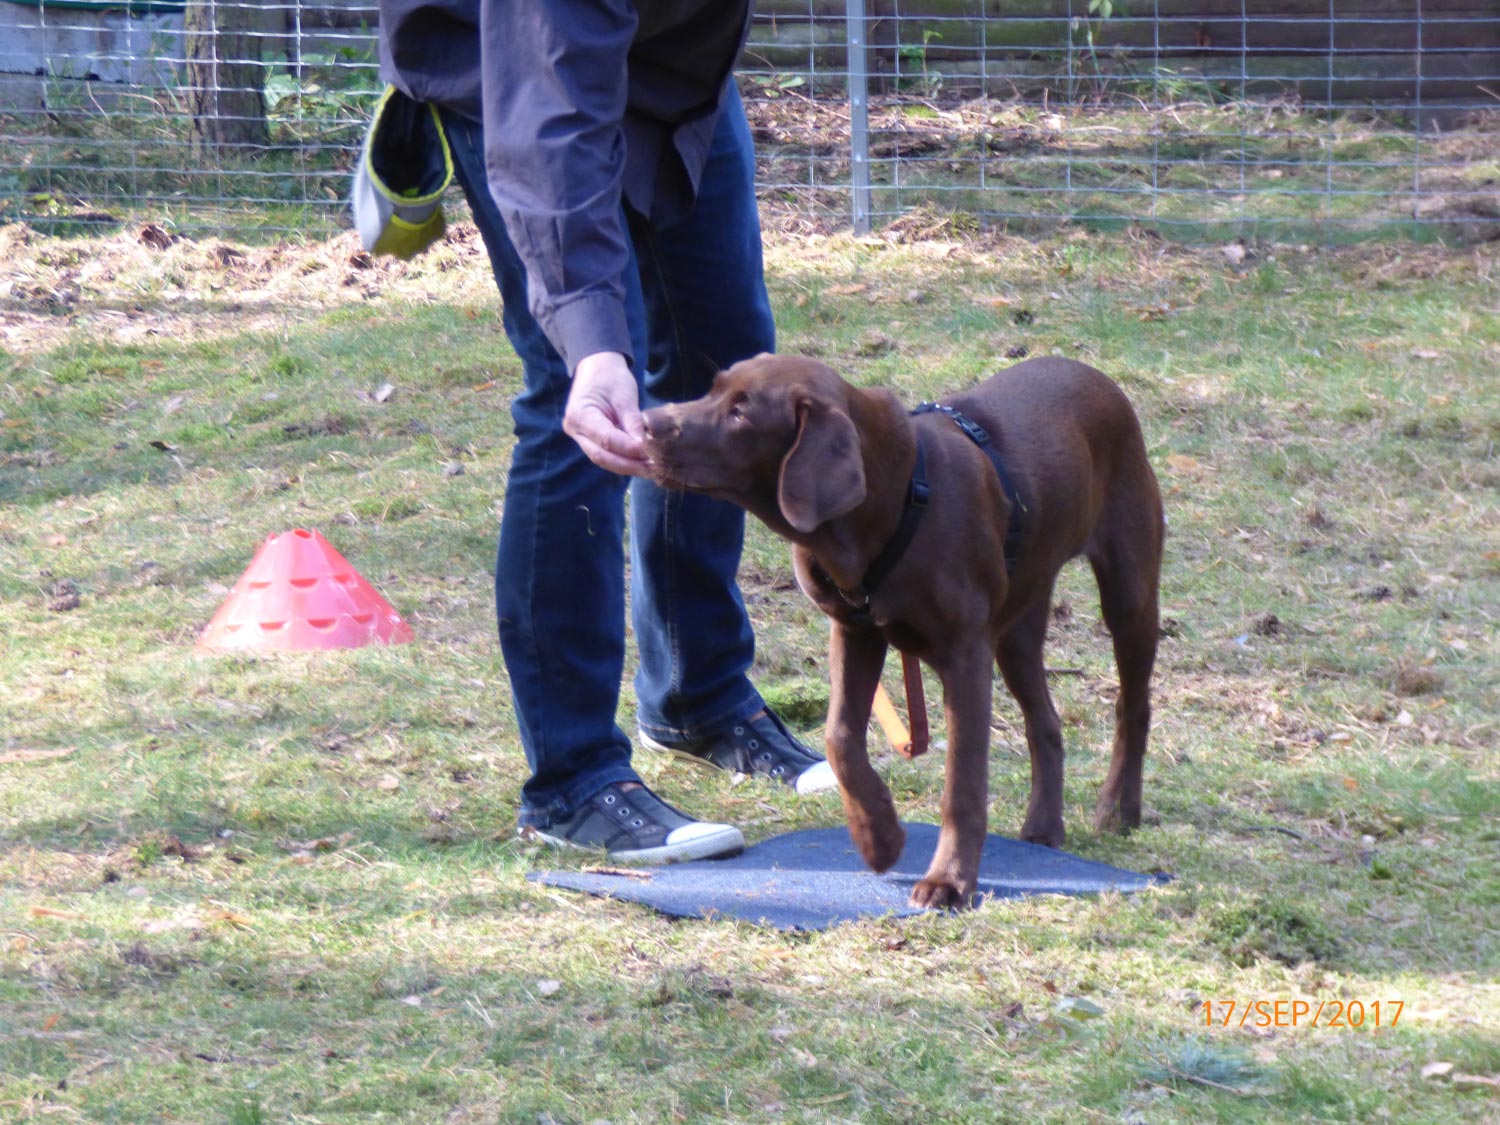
{"x": 662, "y": 422}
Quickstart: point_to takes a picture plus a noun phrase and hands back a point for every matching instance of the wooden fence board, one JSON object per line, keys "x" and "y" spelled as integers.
{"x": 1368, "y": 52}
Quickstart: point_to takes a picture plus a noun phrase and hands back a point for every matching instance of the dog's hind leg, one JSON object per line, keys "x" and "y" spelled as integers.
{"x": 1019, "y": 655}
{"x": 1126, "y": 557}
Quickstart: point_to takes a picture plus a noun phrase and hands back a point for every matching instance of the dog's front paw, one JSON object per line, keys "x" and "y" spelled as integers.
{"x": 940, "y": 892}
{"x": 874, "y": 826}
{"x": 879, "y": 841}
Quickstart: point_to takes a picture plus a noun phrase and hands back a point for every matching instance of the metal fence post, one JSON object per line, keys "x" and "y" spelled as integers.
{"x": 859, "y": 115}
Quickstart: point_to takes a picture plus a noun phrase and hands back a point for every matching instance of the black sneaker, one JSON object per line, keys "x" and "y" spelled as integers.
{"x": 761, "y": 745}
{"x": 635, "y": 824}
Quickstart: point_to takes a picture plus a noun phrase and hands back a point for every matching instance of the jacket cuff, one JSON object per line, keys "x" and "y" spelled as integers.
{"x": 590, "y": 324}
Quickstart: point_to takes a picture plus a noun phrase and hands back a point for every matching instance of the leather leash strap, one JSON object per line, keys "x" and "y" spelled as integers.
{"x": 909, "y": 743}
{"x": 916, "y": 706}
{"x": 919, "y": 737}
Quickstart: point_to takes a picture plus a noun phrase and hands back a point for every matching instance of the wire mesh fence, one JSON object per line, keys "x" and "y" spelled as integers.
{"x": 1304, "y": 119}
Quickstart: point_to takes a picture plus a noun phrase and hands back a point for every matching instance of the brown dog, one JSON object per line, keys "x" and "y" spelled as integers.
{"x": 830, "y": 467}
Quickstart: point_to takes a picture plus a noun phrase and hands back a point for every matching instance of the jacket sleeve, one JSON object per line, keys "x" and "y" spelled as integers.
{"x": 554, "y": 93}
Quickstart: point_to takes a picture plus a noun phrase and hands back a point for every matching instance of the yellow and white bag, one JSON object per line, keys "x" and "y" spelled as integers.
{"x": 404, "y": 168}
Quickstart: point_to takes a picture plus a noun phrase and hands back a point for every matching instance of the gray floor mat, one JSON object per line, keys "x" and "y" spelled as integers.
{"x": 813, "y": 879}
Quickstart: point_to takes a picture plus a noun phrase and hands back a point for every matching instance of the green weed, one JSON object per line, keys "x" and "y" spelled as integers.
{"x": 288, "y": 887}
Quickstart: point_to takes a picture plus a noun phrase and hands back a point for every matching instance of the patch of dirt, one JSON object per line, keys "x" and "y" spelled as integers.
{"x": 141, "y": 283}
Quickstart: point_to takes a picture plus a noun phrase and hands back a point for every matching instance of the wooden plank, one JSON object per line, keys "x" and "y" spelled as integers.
{"x": 960, "y": 38}
{"x": 1317, "y": 10}
{"x": 1374, "y": 42}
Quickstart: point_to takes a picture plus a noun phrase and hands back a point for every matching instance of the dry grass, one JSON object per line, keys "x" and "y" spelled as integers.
{"x": 287, "y": 889}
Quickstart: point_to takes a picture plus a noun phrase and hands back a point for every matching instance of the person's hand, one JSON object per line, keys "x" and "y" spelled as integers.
{"x": 604, "y": 414}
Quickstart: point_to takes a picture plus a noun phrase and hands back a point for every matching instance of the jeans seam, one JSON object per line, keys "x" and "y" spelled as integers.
{"x": 671, "y": 504}
{"x": 679, "y": 383}
{"x": 533, "y": 670}
{"x": 747, "y": 705}
{"x": 567, "y": 802}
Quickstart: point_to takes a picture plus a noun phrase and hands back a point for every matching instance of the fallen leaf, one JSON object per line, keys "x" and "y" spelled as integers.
{"x": 1153, "y": 312}
{"x": 1234, "y": 252}
{"x": 1476, "y": 1080}
{"x": 1425, "y": 353}
{"x": 1078, "y": 1008}
{"x": 239, "y": 921}
{"x": 1349, "y": 782}
{"x": 174, "y": 846}
{"x": 385, "y": 392}
{"x": 389, "y": 782}
{"x": 172, "y": 405}
{"x": 805, "y": 1059}
{"x": 13, "y": 757}
{"x": 625, "y": 872}
{"x": 322, "y": 844}
{"x": 1182, "y": 463}
{"x": 412, "y": 1001}
{"x": 55, "y": 540}
{"x": 51, "y": 912}
{"x": 548, "y": 987}
{"x": 846, "y": 290}
{"x": 157, "y": 443}
{"x": 488, "y": 384}
{"x": 155, "y": 237}
{"x": 1437, "y": 1070}
{"x": 51, "y": 1021}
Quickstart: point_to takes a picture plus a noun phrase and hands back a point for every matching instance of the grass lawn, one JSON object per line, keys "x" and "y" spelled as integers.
{"x": 242, "y": 889}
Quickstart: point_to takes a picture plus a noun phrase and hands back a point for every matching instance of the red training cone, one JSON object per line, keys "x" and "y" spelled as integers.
{"x": 300, "y": 593}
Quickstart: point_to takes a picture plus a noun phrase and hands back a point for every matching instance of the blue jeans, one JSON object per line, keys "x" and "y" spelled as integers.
{"x": 696, "y": 302}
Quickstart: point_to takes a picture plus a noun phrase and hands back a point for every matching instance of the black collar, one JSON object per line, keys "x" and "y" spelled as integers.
{"x": 917, "y": 493}
{"x": 911, "y": 515}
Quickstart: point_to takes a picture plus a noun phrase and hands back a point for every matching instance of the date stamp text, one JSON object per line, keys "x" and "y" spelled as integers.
{"x": 1288, "y": 1013}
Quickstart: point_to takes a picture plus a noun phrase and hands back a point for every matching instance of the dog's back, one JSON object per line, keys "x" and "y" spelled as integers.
{"x": 1070, "y": 438}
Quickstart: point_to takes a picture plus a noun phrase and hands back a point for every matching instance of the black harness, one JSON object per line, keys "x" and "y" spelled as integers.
{"x": 917, "y": 493}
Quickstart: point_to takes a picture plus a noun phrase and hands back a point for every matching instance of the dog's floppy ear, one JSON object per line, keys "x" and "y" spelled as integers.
{"x": 823, "y": 476}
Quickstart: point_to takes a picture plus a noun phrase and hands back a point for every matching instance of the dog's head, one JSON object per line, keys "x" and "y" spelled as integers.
{"x": 774, "y": 435}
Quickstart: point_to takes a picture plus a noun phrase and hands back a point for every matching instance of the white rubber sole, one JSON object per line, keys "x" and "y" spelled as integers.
{"x": 698, "y": 840}
{"x": 816, "y": 779}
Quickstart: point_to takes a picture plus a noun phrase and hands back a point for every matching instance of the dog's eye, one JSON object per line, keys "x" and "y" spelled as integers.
{"x": 737, "y": 410}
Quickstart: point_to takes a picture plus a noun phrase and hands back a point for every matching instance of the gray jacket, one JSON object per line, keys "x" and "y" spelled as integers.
{"x": 585, "y": 104}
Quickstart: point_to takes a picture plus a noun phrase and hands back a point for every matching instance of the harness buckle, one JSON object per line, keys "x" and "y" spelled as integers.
{"x": 977, "y": 433}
